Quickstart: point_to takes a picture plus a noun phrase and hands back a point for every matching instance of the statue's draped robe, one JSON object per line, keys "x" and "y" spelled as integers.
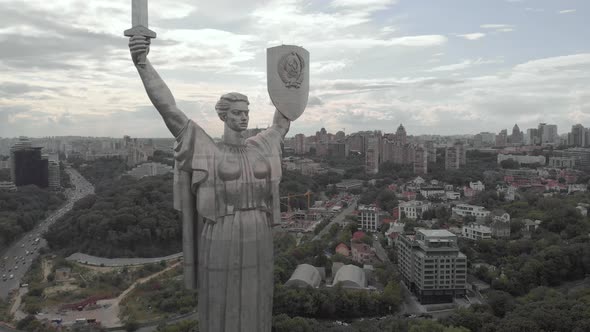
{"x": 236, "y": 192}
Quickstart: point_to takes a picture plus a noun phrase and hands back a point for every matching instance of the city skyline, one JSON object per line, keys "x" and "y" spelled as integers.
{"x": 438, "y": 69}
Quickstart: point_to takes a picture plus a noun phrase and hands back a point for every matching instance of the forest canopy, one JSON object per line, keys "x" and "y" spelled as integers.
{"x": 128, "y": 218}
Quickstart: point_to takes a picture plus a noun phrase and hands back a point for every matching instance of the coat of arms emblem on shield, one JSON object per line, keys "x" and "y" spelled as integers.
{"x": 291, "y": 68}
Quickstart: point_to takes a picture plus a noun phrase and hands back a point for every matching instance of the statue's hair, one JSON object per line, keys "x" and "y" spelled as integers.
{"x": 224, "y": 103}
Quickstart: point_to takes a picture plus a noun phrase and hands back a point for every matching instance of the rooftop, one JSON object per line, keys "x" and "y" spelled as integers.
{"x": 436, "y": 232}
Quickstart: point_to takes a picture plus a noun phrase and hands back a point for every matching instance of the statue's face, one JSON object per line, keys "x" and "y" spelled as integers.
{"x": 237, "y": 117}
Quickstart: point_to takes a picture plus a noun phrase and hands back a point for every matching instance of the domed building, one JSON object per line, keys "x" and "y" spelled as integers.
{"x": 305, "y": 275}
{"x": 350, "y": 276}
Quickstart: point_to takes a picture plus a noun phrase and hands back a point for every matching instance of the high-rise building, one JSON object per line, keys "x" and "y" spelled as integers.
{"x": 401, "y": 136}
{"x": 373, "y": 153}
{"x": 517, "y": 135}
{"x": 28, "y": 166}
{"x": 455, "y": 156}
{"x": 431, "y": 265}
{"x": 420, "y": 160}
{"x": 431, "y": 151}
{"x": 54, "y": 179}
{"x": 532, "y": 137}
{"x": 300, "y": 144}
{"x": 337, "y": 150}
{"x": 502, "y": 138}
{"x": 547, "y": 133}
{"x": 322, "y": 136}
{"x": 578, "y": 137}
{"x": 357, "y": 143}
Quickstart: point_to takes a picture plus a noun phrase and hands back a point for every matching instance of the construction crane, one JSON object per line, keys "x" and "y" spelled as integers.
{"x": 289, "y": 196}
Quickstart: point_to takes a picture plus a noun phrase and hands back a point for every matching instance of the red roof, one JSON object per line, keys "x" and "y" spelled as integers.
{"x": 358, "y": 235}
{"x": 342, "y": 246}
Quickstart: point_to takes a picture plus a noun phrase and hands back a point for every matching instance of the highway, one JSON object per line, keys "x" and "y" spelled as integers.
{"x": 16, "y": 260}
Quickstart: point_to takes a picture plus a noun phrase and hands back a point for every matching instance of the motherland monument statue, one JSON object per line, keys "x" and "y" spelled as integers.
{"x": 228, "y": 192}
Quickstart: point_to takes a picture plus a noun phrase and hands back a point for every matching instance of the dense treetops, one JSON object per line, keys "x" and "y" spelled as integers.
{"x": 20, "y": 211}
{"x": 129, "y": 218}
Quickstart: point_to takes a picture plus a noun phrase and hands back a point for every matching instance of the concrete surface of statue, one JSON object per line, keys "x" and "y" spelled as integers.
{"x": 228, "y": 194}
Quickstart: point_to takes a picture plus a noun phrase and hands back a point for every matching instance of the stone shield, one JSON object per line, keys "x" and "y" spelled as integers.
{"x": 288, "y": 79}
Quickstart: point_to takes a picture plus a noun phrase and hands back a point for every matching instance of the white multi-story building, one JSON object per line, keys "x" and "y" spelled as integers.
{"x": 465, "y": 210}
{"x": 453, "y": 195}
{"x": 413, "y": 209}
{"x": 477, "y": 186}
{"x": 432, "y": 191}
{"x": 432, "y": 266}
{"x": 369, "y": 218}
{"x": 476, "y": 232}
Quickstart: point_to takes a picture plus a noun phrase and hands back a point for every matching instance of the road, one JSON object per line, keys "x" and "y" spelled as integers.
{"x": 117, "y": 262}
{"x": 339, "y": 219}
{"x": 7, "y": 329}
{"x": 16, "y": 259}
{"x": 380, "y": 251}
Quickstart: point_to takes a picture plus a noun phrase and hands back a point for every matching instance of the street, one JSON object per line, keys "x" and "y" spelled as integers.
{"x": 339, "y": 219}
{"x": 16, "y": 259}
{"x": 380, "y": 251}
{"x": 101, "y": 261}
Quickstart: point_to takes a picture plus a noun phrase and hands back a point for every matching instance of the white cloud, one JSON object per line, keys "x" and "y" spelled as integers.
{"x": 355, "y": 4}
{"x": 419, "y": 41}
{"x": 567, "y": 11}
{"x": 576, "y": 62}
{"x": 464, "y": 65}
{"x": 498, "y": 27}
{"x": 322, "y": 67}
{"x": 473, "y": 36}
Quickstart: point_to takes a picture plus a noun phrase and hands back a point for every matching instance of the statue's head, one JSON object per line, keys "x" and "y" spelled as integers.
{"x": 232, "y": 109}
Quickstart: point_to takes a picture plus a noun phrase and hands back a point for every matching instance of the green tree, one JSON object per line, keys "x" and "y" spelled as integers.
{"x": 131, "y": 326}
{"x": 500, "y": 302}
{"x": 392, "y": 295}
{"x": 509, "y": 164}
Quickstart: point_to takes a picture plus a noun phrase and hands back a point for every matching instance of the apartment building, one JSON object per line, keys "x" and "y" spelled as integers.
{"x": 465, "y": 210}
{"x": 413, "y": 209}
{"x": 369, "y": 218}
{"x": 432, "y": 266}
{"x": 476, "y": 232}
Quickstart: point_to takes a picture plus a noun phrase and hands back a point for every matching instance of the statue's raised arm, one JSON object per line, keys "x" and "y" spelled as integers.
{"x": 157, "y": 90}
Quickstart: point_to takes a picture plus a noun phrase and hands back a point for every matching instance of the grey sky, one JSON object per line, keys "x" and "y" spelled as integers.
{"x": 441, "y": 67}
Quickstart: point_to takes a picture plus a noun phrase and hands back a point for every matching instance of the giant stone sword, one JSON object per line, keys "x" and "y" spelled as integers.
{"x": 139, "y": 22}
